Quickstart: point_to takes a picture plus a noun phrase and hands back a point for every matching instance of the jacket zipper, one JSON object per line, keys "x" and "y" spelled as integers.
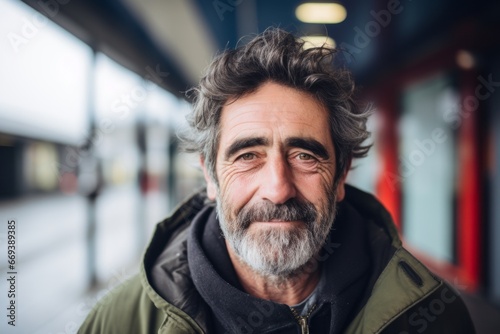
{"x": 302, "y": 320}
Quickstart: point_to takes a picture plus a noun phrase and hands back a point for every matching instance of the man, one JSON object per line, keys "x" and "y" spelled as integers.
{"x": 278, "y": 243}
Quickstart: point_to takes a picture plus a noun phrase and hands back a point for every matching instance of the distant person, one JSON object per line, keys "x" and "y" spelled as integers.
{"x": 278, "y": 243}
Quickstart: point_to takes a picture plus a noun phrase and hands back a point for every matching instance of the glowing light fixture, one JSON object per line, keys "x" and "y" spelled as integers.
{"x": 315, "y": 12}
{"x": 316, "y": 41}
{"x": 465, "y": 60}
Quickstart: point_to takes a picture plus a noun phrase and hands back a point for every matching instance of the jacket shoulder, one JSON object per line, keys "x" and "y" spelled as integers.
{"x": 407, "y": 292}
{"x": 126, "y": 309}
{"x": 443, "y": 311}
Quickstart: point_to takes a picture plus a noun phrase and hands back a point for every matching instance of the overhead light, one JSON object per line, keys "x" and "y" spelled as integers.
{"x": 318, "y": 41}
{"x": 465, "y": 59}
{"x": 315, "y": 12}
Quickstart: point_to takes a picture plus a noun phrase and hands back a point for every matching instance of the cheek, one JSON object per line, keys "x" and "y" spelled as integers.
{"x": 236, "y": 190}
{"x": 327, "y": 174}
{"x": 315, "y": 187}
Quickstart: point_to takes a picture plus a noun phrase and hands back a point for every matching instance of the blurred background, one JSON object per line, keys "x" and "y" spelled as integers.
{"x": 92, "y": 94}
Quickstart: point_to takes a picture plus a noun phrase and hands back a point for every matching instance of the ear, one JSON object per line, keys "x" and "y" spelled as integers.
{"x": 341, "y": 183}
{"x": 211, "y": 188}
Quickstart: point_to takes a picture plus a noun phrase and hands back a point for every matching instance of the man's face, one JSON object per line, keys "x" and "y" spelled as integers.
{"x": 275, "y": 168}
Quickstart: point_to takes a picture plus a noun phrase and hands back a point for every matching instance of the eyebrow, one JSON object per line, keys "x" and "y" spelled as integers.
{"x": 245, "y": 143}
{"x": 308, "y": 144}
{"x": 305, "y": 143}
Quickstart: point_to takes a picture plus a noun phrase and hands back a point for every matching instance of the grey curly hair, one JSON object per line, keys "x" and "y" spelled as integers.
{"x": 277, "y": 56}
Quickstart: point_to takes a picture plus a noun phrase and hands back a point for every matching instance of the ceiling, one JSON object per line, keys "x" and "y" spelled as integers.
{"x": 181, "y": 36}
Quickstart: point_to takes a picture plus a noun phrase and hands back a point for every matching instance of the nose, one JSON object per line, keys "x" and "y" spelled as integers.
{"x": 277, "y": 184}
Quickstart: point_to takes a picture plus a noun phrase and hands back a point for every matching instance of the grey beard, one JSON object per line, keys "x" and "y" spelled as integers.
{"x": 276, "y": 252}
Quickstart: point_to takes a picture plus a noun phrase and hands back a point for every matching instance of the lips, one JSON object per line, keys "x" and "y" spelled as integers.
{"x": 279, "y": 222}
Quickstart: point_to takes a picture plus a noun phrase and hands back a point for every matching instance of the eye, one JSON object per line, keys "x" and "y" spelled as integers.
{"x": 247, "y": 156}
{"x": 305, "y": 156}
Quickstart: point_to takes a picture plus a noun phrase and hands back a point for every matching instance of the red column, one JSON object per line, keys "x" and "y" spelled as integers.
{"x": 469, "y": 183}
{"x": 389, "y": 182}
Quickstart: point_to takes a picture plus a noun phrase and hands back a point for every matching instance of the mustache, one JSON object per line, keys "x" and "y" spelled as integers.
{"x": 291, "y": 210}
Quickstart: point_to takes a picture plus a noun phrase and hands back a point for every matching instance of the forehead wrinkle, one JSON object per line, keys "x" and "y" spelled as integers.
{"x": 234, "y": 112}
{"x": 275, "y": 123}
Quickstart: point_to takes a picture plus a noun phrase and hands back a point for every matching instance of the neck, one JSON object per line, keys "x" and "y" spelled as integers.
{"x": 289, "y": 290}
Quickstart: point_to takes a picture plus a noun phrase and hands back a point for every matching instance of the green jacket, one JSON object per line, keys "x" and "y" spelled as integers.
{"x": 406, "y": 296}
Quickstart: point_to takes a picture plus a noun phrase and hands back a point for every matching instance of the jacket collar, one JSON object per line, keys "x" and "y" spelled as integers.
{"x": 179, "y": 301}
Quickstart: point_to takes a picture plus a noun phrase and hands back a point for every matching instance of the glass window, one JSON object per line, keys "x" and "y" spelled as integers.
{"x": 428, "y": 167}
{"x": 44, "y": 81}
{"x": 119, "y": 93}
